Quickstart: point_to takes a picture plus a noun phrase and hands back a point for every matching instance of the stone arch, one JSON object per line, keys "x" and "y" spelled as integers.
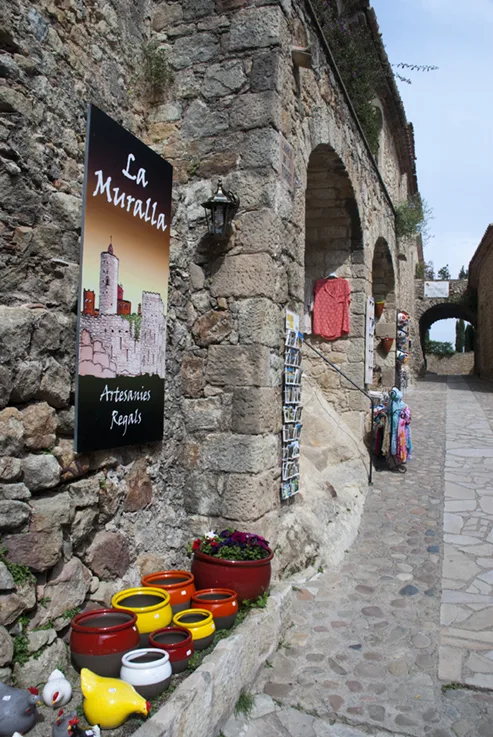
{"x": 443, "y": 311}
{"x": 334, "y": 245}
{"x": 383, "y": 290}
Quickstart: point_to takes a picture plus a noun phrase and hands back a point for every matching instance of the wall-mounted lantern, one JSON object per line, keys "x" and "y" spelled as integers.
{"x": 220, "y": 210}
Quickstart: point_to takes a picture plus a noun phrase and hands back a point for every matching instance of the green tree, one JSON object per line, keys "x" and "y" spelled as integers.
{"x": 460, "y": 332}
{"x": 439, "y": 348}
{"x": 444, "y": 273}
{"x": 469, "y": 338}
{"x": 429, "y": 271}
{"x": 463, "y": 274}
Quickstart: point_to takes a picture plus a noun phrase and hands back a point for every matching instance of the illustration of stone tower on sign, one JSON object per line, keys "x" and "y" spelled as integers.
{"x": 115, "y": 342}
{"x": 108, "y": 282}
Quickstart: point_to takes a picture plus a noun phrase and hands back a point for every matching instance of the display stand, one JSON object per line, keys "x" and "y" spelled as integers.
{"x": 291, "y": 429}
{"x": 403, "y": 348}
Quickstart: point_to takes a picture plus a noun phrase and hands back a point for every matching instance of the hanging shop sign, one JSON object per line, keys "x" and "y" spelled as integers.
{"x": 370, "y": 340}
{"x": 121, "y": 334}
{"x": 436, "y": 289}
{"x": 291, "y": 429}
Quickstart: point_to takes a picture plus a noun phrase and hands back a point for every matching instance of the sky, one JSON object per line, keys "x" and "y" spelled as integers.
{"x": 451, "y": 110}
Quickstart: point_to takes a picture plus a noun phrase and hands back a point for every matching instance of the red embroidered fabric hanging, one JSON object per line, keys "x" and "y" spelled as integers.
{"x": 331, "y": 308}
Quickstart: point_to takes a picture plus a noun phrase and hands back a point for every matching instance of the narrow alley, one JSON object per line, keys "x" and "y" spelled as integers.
{"x": 383, "y": 645}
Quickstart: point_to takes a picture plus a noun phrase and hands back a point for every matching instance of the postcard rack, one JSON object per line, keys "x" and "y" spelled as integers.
{"x": 292, "y": 409}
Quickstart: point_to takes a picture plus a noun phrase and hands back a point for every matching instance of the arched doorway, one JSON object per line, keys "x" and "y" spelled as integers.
{"x": 445, "y": 364}
{"x": 334, "y": 250}
{"x": 383, "y": 291}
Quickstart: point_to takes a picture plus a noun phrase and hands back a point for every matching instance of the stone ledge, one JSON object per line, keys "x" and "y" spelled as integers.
{"x": 205, "y": 700}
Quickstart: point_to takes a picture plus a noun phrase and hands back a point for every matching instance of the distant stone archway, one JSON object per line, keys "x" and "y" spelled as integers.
{"x": 432, "y": 309}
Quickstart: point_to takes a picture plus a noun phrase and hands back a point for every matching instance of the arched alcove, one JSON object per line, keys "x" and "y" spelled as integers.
{"x": 334, "y": 246}
{"x": 383, "y": 291}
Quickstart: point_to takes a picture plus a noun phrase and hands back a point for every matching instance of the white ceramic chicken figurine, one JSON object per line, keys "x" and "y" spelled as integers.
{"x": 58, "y": 691}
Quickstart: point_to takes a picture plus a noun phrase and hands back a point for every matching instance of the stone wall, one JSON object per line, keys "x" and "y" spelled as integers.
{"x": 86, "y": 526}
{"x": 459, "y": 363}
{"x": 74, "y": 530}
{"x": 480, "y": 276}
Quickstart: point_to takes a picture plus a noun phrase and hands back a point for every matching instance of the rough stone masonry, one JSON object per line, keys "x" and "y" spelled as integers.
{"x": 77, "y": 529}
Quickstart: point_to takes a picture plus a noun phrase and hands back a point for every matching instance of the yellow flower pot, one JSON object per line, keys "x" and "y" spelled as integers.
{"x": 152, "y": 607}
{"x": 200, "y": 624}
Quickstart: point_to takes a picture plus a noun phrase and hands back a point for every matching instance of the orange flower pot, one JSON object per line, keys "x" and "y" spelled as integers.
{"x": 387, "y": 344}
{"x": 180, "y": 586}
{"x": 221, "y": 603}
{"x": 379, "y": 309}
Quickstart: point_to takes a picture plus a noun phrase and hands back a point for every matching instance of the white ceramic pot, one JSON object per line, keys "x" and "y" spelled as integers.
{"x": 148, "y": 670}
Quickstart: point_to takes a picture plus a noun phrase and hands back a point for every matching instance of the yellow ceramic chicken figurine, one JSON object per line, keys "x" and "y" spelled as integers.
{"x": 108, "y": 701}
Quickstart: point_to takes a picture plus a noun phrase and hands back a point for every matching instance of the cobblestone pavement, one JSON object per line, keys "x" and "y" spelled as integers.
{"x": 363, "y": 653}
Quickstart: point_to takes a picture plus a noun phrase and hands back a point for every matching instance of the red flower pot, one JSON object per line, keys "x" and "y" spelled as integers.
{"x": 180, "y": 586}
{"x": 387, "y": 344}
{"x": 221, "y": 603}
{"x": 177, "y": 641}
{"x": 379, "y": 308}
{"x": 100, "y": 637}
{"x": 249, "y": 578}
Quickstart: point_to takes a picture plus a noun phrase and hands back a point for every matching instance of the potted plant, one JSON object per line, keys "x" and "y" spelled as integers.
{"x": 232, "y": 560}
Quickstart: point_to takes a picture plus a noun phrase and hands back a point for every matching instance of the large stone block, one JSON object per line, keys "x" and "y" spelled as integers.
{"x": 11, "y": 431}
{"x": 67, "y": 210}
{"x": 26, "y": 381}
{"x": 6, "y": 647}
{"x": 245, "y": 275}
{"x": 201, "y": 495}
{"x": 65, "y": 590}
{"x": 6, "y": 384}
{"x": 192, "y": 375}
{"x": 139, "y": 485}
{"x": 46, "y": 334}
{"x": 238, "y": 453}
{"x": 224, "y": 78}
{"x": 261, "y": 148}
{"x": 14, "y": 491}
{"x": 206, "y": 414}
{"x": 10, "y": 469}
{"x": 41, "y": 472}
{"x": 55, "y": 384}
{"x": 13, "y": 514}
{"x": 51, "y": 511}
{"x": 193, "y": 9}
{"x": 16, "y": 326}
{"x": 236, "y": 365}
{"x": 38, "y": 550}
{"x": 85, "y": 493}
{"x": 14, "y": 604}
{"x": 40, "y": 425}
{"x": 200, "y": 121}
{"x": 259, "y": 230}
{"x": 194, "y": 49}
{"x": 108, "y": 555}
{"x": 260, "y": 321}
{"x": 257, "y": 411}
{"x": 265, "y": 72}
{"x": 213, "y": 327}
{"x": 256, "y": 110}
{"x": 246, "y": 498}
{"x": 255, "y": 28}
